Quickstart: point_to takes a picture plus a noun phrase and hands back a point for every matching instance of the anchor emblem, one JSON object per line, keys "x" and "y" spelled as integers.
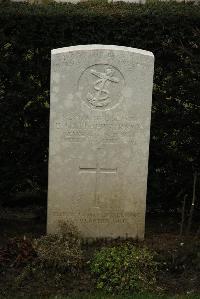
{"x": 101, "y": 97}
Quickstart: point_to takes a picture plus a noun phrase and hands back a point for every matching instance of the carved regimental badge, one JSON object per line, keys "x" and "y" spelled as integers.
{"x": 100, "y": 86}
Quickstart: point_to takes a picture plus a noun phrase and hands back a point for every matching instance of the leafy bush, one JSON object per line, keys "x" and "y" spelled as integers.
{"x": 29, "y": 32}
{"x": 124, "y": 268}
{"x": 57, "y": 258}
{"x": 61, "y": 251}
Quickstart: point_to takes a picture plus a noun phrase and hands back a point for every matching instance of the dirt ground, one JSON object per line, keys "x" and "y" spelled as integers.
{"x": 178, "y": 257}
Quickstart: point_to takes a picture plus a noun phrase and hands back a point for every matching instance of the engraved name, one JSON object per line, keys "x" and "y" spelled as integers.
{"x": 79, "y": 128}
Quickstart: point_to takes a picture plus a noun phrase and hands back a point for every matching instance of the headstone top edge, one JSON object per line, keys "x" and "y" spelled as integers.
{"x": 101, "y": 47}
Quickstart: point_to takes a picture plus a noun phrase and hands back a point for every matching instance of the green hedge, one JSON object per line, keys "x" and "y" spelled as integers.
{"x": 28, "y": 33}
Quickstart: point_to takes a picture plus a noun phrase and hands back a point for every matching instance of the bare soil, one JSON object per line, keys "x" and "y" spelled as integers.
{"x": 178, "y": 257}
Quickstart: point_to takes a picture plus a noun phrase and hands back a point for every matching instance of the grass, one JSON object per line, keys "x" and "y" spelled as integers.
{"x": 147, "y": 296}
{"x": 103, "y": 296}
{"x": 129, "y": 297}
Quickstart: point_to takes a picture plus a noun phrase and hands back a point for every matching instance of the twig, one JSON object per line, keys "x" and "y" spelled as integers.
{"x": 183, "y": 215}
{"x": 192, "y": 204}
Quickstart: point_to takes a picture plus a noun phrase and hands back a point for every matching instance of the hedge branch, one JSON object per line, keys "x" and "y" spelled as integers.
{"x": 192, "y": 204}
{"x": 183, "y": 215}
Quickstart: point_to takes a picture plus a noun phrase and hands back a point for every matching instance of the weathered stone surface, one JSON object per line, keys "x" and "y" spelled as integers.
{"x": 99, "y": 139}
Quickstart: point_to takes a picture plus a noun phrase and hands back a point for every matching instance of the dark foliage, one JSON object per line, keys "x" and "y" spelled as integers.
{"x": 17, "y": 253}
{"x": 28, "y": 33}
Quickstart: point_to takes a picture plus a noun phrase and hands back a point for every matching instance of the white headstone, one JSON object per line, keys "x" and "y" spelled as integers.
{"x": 99, "y": 139}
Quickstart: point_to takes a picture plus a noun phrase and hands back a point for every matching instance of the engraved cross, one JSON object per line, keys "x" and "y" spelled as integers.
{"x": 97, "y": 170}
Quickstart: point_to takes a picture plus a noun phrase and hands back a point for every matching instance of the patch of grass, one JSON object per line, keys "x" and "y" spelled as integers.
{"x": 105, "y": 296}
{"x": 136, "y": 296}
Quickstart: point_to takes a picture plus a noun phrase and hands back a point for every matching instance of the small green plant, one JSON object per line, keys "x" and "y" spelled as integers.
{"x": 61, "y": 251}
{"x": 124, "y": 268}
